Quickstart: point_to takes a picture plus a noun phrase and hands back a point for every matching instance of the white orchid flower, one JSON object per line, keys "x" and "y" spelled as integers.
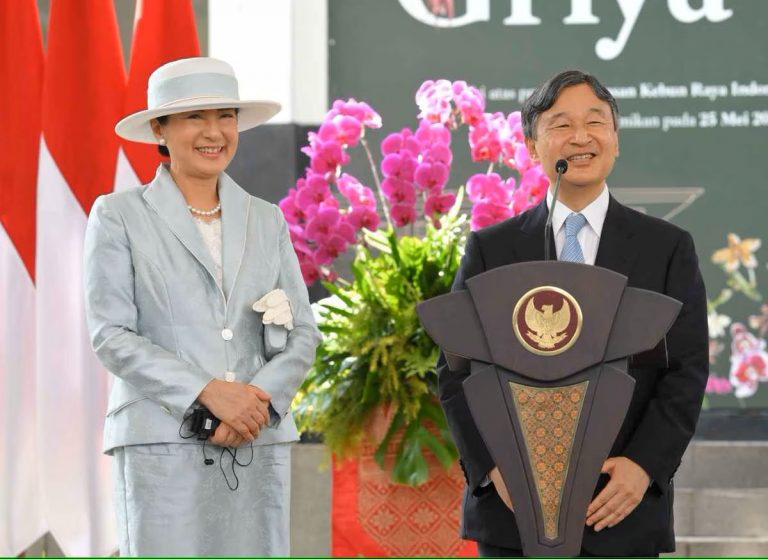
{"x": 276, "y": 308}
{"x": 717, "y": 324}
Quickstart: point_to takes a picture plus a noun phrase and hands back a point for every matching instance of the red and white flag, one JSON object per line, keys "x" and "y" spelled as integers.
{"x": 21, "y": 79}
{"x": 83, "y": 97}
{"x": 164, "y": 30}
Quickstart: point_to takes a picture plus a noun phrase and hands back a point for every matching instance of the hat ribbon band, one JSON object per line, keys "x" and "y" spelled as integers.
{"x": 179, "y": 88}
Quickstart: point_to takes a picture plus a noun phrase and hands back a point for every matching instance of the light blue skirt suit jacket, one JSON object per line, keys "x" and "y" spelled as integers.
{"x": 160, "y": 323}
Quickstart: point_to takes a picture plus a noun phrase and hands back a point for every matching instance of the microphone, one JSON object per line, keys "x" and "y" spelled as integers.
{"x": 561, "y": 166}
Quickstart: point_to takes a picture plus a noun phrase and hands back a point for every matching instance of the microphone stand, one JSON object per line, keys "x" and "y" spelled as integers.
{"x": 561, "y": 166}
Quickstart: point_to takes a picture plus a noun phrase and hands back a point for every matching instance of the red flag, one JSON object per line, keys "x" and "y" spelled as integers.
{"x": 164, "y": 30}
{"x": 83, "y": 97}
{"x": 21, "y": 81}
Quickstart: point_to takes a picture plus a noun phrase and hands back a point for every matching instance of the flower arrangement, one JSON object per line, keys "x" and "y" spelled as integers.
{"x": 748, "y": 362}
{"x": 375, "y": 360}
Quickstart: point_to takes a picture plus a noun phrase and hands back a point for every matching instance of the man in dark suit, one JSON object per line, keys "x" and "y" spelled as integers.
{"x": 574, "y": 117}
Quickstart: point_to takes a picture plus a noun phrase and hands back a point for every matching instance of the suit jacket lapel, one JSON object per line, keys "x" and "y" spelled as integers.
{"x": 615, "y": 251}
{"x": 167, "y": 200}
{"x": 235, "y": 208}
{"x": 530, "y": 246}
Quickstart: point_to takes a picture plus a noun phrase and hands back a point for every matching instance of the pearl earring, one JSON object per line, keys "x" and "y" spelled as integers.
{"x": 161, "y": 141}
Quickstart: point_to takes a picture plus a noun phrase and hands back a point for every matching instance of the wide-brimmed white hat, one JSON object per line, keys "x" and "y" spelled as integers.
{"x": 193, "y": 84}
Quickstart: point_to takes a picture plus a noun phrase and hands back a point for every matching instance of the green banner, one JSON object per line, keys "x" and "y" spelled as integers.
{"x": 691, "y": 79}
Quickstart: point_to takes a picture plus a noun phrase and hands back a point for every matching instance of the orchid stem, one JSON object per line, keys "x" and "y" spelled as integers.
{"x": 376, "y": 179}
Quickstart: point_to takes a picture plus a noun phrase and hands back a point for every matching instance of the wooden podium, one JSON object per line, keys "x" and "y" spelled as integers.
{"x": 548, "y": 346}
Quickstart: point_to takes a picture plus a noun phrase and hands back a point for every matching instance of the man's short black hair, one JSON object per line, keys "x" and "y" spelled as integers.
{"x": 546, "y": 95}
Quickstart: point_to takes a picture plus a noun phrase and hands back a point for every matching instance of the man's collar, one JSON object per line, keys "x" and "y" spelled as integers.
{"x": 594, "y": 212}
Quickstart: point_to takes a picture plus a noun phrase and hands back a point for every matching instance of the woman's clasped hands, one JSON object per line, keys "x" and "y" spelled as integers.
{"x": 242, "y": 408}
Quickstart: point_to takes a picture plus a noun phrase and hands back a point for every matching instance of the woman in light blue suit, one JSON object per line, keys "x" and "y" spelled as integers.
{"x": 195, "y": 300}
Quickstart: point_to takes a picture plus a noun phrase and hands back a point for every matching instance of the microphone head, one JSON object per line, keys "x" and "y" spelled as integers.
{"x": 561, "y": 166}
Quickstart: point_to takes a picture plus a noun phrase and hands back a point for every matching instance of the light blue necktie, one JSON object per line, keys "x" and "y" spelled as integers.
{"x": 572, "y": 249}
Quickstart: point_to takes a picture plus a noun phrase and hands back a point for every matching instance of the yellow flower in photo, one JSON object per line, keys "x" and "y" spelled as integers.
{"x": 738, "y": 252}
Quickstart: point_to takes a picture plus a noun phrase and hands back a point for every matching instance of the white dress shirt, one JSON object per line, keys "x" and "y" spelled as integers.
{"x": 589, "y": 235}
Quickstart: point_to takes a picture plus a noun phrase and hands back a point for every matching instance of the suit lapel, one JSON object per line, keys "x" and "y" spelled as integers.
{"x": 615, "y": 251}
{"x": 167, "y": 200}
{"x": 235, "y": 207}
{"x": 530, "y": 245}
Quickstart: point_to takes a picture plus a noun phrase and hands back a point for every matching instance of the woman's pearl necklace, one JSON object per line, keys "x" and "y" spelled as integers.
{"x": 205, "y": 213}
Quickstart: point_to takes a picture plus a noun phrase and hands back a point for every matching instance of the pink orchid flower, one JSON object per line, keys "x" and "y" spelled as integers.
{"x": 399, "y": 191}
{"x": 488, "y": 213}
{"x": 322, "y": 224}
{"x": 431, "y": 175}
{"x": 402, "y": 214}
{"x": 399, "y": 166}
{"x": 361, "y": 217}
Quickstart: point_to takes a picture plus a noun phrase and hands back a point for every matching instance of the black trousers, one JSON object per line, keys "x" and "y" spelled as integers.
{"x": 486, "y": 550}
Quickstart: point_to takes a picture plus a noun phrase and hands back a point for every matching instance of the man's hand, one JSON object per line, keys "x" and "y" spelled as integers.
{"x": 226, "y": 436}
{"x": 243, "y": 407}
{"x": 501, "y": 488}
{"x": 620, "y": 496}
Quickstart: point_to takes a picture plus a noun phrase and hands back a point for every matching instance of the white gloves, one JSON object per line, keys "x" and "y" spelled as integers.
{"x": 276, "y": 309}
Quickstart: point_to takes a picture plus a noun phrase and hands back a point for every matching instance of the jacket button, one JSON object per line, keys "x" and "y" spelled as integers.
{"x": 227, "y": 334}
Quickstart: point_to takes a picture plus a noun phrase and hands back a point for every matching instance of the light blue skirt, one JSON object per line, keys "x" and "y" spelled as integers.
{"x": 169, "y": 503}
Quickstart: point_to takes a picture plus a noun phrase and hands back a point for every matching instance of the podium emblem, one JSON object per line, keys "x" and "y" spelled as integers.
{"x": 547, "y": 320}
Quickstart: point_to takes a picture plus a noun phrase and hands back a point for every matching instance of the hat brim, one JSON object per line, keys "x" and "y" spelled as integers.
{"x": 136, "y": 127}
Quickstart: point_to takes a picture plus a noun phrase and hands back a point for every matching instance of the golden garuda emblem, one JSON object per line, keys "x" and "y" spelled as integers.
{"x": 547, "y": 320}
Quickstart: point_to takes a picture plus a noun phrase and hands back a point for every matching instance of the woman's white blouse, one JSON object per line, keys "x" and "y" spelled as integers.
{"x": 211, "y": 232}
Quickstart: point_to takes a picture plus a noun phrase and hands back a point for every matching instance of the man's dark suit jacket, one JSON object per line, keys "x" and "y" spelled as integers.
{"x": 654, "y": 255}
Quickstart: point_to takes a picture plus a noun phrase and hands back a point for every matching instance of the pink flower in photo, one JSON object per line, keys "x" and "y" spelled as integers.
{"x": 718, "y": 385}
{"x": 399, "y": 166}
{"x": 431, "y": 175}
{"x": 749, "y": 361}
{"x": 747, "y": 371}
{"x": 402, "y": 214}
{"x": 488, "y": 188}
{"x": 488, "y": 213}
{"x": 399, "y": 191}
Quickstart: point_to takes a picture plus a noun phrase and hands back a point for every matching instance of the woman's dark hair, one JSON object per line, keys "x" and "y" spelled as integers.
{"x": 162, "y": 120}
{"x": 546, "y": 95}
